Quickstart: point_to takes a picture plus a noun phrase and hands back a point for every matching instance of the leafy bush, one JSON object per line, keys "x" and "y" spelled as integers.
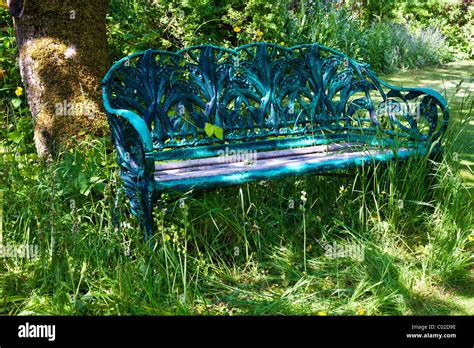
{"x": 377, "y": 33}
{"x": 388, "y": 46}
{"x": 385, "y": 45}
{"x": 15, "y": 124}
{"x": 375, "y": 9}
{"x": 262, "y": 255}
{"x": 454, "y": 19}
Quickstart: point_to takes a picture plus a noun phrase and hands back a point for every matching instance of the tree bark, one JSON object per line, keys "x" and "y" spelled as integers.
{"x": 62, "y": 48}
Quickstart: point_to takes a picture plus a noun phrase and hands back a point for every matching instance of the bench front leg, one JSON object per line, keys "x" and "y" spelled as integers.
{"x": 135, "y": 157}
{"x": 140, "y": 191}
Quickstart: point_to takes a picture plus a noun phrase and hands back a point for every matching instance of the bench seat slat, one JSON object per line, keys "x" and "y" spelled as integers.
{"x": 329, "y": 164}
{"x": 264, "y": 164}
{"x": 258, "y": 156}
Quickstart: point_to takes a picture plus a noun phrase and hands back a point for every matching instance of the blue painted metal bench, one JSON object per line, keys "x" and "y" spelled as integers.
{"x": 208, "y": 116}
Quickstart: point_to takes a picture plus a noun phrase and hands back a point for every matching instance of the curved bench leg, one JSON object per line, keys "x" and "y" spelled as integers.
{"x": 139, "y": 191}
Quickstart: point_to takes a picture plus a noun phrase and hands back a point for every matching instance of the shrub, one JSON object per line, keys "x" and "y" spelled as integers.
{"x": 175, "y": 24}
{"x": 454, "y": 19}
{"x": 388, "y": 46}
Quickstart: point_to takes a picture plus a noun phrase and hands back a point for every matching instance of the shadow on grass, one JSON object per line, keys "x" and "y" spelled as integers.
{"x": 456, "y": 82}
{"x": 451, "y": 303}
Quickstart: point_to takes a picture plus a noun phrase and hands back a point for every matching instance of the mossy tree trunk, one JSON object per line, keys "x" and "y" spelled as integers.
{"x": 62, "y": 56}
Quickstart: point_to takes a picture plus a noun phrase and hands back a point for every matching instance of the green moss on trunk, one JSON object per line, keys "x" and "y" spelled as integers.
{"x": 63, "y": 56}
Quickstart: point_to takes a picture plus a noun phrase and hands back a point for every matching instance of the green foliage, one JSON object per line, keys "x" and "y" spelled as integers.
{"x": 15, "y": 123}
{"x": 318, "y": 23}
{"x": 454, "y": 19}
{"x": 376, "y": 9}
{"x": 211, "y": 130}
{"x": 390, "y": 46}
{"x": 369, "y": 33}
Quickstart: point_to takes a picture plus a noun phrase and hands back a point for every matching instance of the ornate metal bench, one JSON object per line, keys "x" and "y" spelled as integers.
{"x": 208, "y": 116}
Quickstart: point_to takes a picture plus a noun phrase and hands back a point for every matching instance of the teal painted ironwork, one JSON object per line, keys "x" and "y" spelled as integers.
{"x": 264, "y": 97}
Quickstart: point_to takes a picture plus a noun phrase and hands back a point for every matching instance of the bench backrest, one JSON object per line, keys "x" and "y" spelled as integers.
{"x": 256, "y": 91}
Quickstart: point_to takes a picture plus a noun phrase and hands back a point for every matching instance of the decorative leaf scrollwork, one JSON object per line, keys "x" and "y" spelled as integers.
{"x": 263, "y": 90}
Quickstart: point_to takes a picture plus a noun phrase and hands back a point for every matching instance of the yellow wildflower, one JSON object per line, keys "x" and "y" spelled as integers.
{"x": 322, "y": 314}
{"x": 237, "y": 29}
{"x": 19, "y": 91}
{"x": 361, "y": 311}
{"x": 259, "y": 32}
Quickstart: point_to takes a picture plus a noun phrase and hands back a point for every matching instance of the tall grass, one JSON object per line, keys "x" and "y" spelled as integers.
{"x": 387, "y": 46}
{"x": 260, "y": 248}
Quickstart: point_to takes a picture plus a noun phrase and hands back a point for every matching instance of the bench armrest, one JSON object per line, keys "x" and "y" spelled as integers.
{"x": 441, "y": 101}
{"x": 431, "y": 100}
{"x": 140, "y": 127}
{"x": 131, "y": 137}
{"x": 133, "y": 142}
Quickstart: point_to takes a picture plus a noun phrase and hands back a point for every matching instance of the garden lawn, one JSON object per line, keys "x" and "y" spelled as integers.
{"x": 456, "y": 81}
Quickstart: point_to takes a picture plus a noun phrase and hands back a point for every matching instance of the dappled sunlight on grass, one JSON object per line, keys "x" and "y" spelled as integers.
{"x": 456, "y": 82}
{"x": 448, "y": 75}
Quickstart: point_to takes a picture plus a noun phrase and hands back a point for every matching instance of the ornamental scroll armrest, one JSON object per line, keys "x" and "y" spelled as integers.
{"x": 415, "y": 111}
{"x": 132, "y": 139}
{"x": 133, "y": 142}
